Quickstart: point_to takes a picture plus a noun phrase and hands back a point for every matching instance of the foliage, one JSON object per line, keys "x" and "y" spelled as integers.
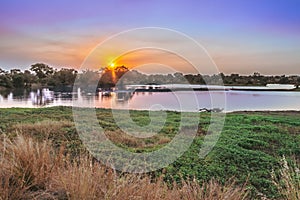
{"x": 250, "y": 147}
{"x": 40, "y": 75}
{"x": 41, "y": 70}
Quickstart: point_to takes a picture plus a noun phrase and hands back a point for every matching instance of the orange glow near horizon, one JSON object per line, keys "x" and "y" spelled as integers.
{"x": 143, "y": 57}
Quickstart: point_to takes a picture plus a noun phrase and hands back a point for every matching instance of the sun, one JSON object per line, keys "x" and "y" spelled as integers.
{"x": 111, "y": 66}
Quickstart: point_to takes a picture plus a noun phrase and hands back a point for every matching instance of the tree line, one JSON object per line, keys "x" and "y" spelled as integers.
{"x": 41, "y": 75}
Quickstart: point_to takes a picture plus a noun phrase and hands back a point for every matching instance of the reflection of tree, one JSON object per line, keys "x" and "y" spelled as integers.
{"x": 42, "y": 97}
{"x": 123, "y": 96}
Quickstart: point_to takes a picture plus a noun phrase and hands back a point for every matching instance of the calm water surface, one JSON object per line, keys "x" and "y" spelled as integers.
{"x": 181, "y": 100}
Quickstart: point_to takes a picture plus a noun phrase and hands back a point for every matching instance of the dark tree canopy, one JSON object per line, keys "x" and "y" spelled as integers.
{"x": 42, "y": 75}
{"x": 41, "y": 70}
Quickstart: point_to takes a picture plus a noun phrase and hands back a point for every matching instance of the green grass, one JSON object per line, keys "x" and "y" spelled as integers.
{"x": 249, "y": 148}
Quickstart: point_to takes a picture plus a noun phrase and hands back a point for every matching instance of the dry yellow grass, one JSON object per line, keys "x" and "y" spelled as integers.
{"x": 26, "y": 165}
{"x": 33, "y": 170}
{"x": 288, "y": 180}
{"x": 43, "y": 129}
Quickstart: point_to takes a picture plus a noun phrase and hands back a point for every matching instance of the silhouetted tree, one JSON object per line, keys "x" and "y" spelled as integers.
{"x": 5, "y": 79}
{"x": 63, "y": 77}
{"x": 42, "y": 71}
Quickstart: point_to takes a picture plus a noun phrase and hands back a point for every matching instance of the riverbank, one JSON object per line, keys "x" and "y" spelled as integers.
{"x": 249, "y": 149}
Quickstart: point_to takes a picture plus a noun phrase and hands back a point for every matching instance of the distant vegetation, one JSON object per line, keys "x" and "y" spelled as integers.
{"x": 42, "y": 157}
{"x": 41, "y": 75}
{"x": 37, "y": 76}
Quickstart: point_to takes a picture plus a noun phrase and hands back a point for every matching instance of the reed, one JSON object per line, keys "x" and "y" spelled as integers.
{"x": 287, "y": 180}
{"x": 30, "y": 169}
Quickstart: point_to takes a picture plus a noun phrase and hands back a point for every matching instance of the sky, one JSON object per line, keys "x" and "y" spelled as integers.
{"x": 239, "y": 36}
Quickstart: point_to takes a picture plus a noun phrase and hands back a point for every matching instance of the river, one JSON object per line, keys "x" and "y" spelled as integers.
{"x": 179, "y": 101}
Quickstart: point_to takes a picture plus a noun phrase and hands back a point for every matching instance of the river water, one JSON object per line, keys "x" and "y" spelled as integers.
{"x": 178, "y": 101}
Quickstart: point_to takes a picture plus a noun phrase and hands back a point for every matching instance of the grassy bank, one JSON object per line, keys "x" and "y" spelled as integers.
{"x": 248, "y": 156}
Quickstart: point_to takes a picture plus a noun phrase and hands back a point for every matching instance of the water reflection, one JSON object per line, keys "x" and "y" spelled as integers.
{"x": 123, "y": 95}
{"x": 129, "y": 99}
{"x": 118, "y": 99}
{"x": 42, "y": 97}
{"x": 37, "y": 98}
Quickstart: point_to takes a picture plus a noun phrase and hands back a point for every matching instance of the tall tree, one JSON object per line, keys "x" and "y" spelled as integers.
{"x": 5, "y": 79}
{"x": 63, "y": 77}
{"x": 42, "y": 71}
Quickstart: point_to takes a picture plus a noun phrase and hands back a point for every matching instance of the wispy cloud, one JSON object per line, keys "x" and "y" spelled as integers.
{"x": 241, "y": 36}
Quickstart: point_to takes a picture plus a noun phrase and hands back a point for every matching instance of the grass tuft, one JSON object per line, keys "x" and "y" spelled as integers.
{"x": 30, "y": 169}
{"x": 287, "y": 180}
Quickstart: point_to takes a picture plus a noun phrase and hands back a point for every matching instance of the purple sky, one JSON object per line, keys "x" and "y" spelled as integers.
{"x": 240, "y": 36}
